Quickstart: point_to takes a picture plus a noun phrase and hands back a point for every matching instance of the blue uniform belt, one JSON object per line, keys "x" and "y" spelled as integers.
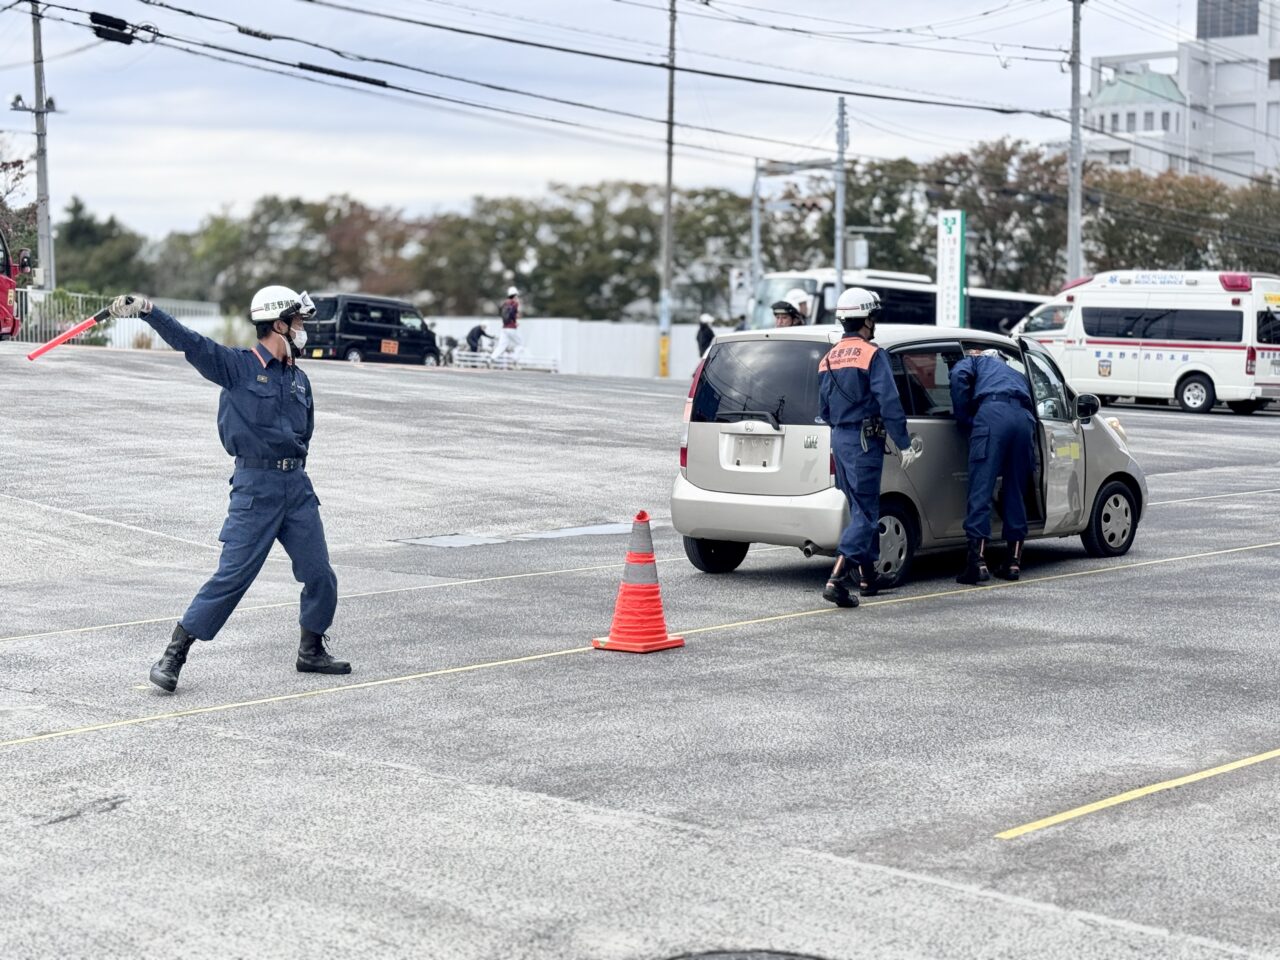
{"x": 1017, "y": 398}
{"x": 286, "y": 464}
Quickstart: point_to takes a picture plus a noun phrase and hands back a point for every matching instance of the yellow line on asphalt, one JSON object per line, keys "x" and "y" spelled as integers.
{"x": 282, "y": 698}
{"x": 1120, "y": 798}
{"x": 350, "y": 596}
{"x": 324, "y": 691}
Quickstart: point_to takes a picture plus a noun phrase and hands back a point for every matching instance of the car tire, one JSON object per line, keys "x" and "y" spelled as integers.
{"x": 1247, "y": 407}
{"x": 1108, "y": 399}
{"x": 1113, "y": 522}
{"x": 354, "y": 355}
{"x": 899, "y": 541}
{"x": 715, "y": 556}
{"x": 430, "y": 360}
{"x": 1196, "y": 394}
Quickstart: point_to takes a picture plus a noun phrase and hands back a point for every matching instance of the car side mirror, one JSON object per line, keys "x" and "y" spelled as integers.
{"x": 1086, "y": 406}
{"x": 24, "y": 260}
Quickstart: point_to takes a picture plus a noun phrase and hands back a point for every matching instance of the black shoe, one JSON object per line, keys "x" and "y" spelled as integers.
{"x": 838, "y": 593}
{"x": 869, "y": 581}
{"x": 975, "y": 567}
{"x": 164, "y": 673}
{"x": 1011, "y": 569}
{"x": 313, "y": 658}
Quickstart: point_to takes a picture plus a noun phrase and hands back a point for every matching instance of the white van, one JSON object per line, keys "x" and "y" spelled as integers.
{"x": 1196, "y": 337}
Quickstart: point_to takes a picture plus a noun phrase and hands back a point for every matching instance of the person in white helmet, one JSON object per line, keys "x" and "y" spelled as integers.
{"x": 792, "y": 310}
{"x": 706, "y": 333}
{"x": 509, "y": 338}
{"x": 860, "y": 402}
{"x": 265, "y": 421}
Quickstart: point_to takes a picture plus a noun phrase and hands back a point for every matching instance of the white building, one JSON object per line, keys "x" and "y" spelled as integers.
{"x": 1211, "y": 106}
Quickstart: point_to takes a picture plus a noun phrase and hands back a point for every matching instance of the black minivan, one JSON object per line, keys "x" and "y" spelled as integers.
{"x": 357, "y": 327}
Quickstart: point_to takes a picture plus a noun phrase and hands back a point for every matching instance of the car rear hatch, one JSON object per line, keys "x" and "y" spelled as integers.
{"x": 753, "y": 421}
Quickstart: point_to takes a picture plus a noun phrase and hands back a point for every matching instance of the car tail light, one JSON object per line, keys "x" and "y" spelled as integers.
{"x": 1251, "y": 361}
{"x": 688, "y": 415}
{"x": 1077, "y": 282}
{"x": 833, "y": 464}
{"x": 1242, "y": 282}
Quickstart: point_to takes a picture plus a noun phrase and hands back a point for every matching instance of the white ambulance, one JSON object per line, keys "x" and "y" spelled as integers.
{"x": 1196, "y": 337}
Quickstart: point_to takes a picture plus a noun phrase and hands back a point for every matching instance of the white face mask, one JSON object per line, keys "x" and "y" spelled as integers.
{"x": 300, "y": 339}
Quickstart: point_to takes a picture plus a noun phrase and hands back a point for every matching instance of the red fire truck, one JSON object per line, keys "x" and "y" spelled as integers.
{"x": 10, "y": 269}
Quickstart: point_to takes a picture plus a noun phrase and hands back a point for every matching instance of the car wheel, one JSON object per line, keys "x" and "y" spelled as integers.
{"x": 354, "y": 354}
{"x": 1246, "y": 407}
{"x": 1108, "y": 399}
{"x": 430, "y": 360}
{"x": 1113, "y": 523}
{"x": 715, "y": 556}
{"x": 1196, "y": 394}
{"x": 899, "y": 540}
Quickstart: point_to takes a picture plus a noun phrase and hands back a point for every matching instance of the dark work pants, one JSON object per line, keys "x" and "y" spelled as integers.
{"x": 266, "y": 506}
{"x": 1002, "y": 445}
{"x": 858, "y": 478}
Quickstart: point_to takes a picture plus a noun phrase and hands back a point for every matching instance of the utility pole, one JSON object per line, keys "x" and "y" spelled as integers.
{"x": 668, "y": 228}
{"x": 1075, "y": 162}
{"x": 44, "y": 244}
{"x": 757, "y": 255}
{"x": 842, "y": 141}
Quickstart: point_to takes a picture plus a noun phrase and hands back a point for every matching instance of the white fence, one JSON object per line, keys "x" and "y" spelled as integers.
{"x": 595, "y": 347}
{"x": 45, "y": 314}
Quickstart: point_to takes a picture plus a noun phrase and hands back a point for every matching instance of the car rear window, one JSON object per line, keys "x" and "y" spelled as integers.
{"x": 759, "y": 379}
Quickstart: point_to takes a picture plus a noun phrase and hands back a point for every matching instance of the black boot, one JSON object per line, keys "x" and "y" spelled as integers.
{"x": 868, "y": 580}
{"x": 975, "y": 567}
{"x": 313, "y": 658}
{"x": 837, "y": 588}
{"x": 164, "y": 673}
{"x": 1012, "y": 568}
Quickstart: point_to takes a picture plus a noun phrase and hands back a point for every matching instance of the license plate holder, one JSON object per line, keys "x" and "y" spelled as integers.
{"x": 391, "y": 347}
{"x": 757, "y": 452}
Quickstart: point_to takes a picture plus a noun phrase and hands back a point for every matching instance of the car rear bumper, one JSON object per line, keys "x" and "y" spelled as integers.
{"x": 818, "y": 518}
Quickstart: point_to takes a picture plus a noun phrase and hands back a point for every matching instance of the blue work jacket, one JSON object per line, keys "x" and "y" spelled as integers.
{"x": 857, "y": 384}
{"x": 265, "y": 410}
{"x": 976, "y": 379}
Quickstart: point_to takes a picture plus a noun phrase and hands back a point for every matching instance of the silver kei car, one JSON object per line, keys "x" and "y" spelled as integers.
{"x": 756, "y": 463}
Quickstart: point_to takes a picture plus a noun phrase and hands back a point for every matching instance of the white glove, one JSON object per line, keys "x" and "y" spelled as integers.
{"x": 133, "y": 305}
{"x": 910, "y": 455}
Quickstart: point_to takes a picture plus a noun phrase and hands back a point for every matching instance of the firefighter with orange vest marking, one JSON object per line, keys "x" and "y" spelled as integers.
{"x": 860, "y": 402}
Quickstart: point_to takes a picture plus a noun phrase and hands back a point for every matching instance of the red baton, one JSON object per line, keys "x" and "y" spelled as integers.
{"x": 75, "y": 331}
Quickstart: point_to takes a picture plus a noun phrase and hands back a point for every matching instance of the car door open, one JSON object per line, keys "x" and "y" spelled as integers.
{"x": 1062, "y": 441}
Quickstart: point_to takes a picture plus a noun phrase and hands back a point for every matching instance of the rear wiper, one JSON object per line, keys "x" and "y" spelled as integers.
{"x": 750, "y": 414}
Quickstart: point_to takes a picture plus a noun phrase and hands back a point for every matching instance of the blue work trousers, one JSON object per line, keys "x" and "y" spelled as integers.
{"x": 1002, "y": 445}
{"x": 858, "y": 478}
{"x": 266, "y": 506}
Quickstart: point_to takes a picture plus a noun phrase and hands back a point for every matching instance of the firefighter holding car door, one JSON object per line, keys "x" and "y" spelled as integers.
{"x": 860, "y": 402}
{"x": 265, "y": 421}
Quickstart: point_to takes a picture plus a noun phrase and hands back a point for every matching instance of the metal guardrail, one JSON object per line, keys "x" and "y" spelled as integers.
{"x": 487, "y": 361}
{"x": 45, "y": 314}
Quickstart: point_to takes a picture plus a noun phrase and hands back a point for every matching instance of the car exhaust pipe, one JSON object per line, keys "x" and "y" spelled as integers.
{"x": 811, "y": 549}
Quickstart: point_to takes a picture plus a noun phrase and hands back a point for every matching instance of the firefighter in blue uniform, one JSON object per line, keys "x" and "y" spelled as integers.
{"x": 265, "y": 420}
{"x": 993, "y": 407}
{"x": 860, "y": 402}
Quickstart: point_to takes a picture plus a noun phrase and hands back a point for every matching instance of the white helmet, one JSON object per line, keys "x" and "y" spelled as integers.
{"x": 798, "y": 297}
{"x": 858, "y": 304}
{"x": 706, "y": 318}
{"x": 279, "y": 303}
{"x": 512, "y": 292}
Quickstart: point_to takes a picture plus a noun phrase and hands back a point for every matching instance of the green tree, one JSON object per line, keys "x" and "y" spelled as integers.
{"x": 1167, "y": 222}
{"x": 99, "y": 256}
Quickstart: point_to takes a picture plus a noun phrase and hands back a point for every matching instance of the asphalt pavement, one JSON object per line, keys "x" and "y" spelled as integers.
{"x": 796, "y": 779}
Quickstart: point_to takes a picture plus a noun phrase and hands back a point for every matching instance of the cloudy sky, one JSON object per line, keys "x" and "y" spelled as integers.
{"x": 160, "y": 137}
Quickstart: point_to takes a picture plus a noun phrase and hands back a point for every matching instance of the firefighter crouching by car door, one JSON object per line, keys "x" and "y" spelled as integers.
{"x": 993, "y": 405}
{"x": 860, "y": 402}
{"x": 265, "y": 421}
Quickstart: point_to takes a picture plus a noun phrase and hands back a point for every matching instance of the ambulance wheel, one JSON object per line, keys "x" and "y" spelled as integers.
{"x": 1246, "y": 407}
{"x": 899, "y": 541}
{"x": 354, "y": 354}
{"x": 1113, "y": 523}
{"x": 715, "y": 556}
{"x": 1196, "y": 394}
{"x": 1108, "y": 399}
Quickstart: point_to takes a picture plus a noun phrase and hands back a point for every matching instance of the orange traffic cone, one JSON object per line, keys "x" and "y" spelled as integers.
{"x": 639, "y": 625}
